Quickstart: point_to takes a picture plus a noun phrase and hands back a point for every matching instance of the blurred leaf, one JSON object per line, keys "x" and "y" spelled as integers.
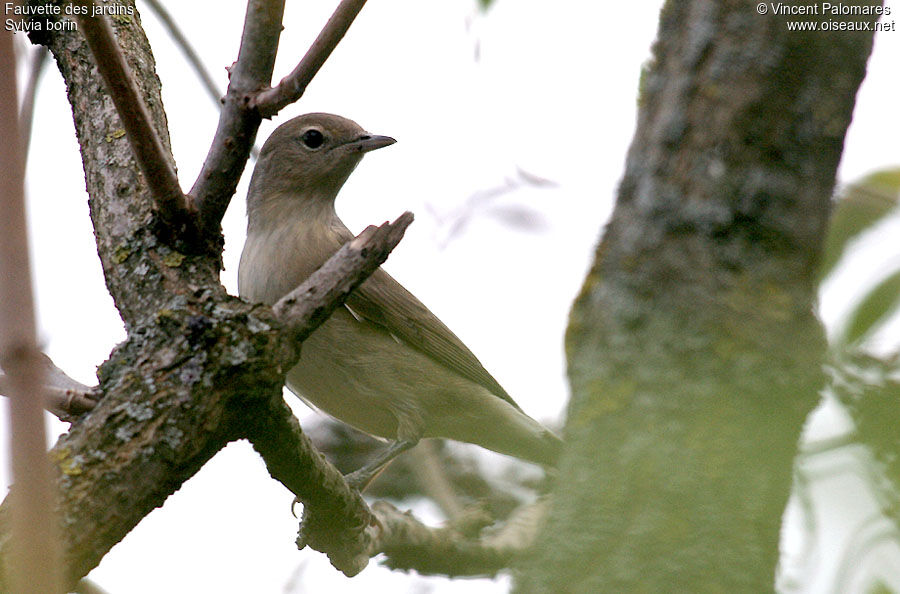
{"x": 873, "y": 310}
{"x": 484, "y": 5}
{"x": 879, "y": 587}
{"x": 531, "y": 179}
{"x": 868, "y": 390}
{"x": 861, "y": 206}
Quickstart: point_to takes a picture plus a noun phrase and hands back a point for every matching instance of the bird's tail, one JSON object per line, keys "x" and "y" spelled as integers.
{"x": 518, "y": 435}
{"x": 543, "y": 449}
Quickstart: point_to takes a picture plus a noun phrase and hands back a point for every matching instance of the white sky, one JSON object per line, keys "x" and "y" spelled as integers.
{"x": 553, "y": 93}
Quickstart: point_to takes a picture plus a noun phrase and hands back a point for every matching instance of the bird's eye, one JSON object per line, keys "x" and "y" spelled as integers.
{"x": 312, "y": 138}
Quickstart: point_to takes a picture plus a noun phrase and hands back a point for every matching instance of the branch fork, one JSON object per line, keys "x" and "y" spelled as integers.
{"x": 195, "y": 218}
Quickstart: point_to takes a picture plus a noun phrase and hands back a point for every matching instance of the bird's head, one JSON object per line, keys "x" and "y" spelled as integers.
{"x": 310, "y": 157}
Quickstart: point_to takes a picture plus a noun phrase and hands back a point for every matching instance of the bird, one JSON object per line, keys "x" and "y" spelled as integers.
{"x": 383, "y": 362}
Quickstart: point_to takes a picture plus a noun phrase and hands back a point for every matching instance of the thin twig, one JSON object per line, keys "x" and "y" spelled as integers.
{"x": 63, "y": 396}
{"x": 152, "y": 158}
{"x": 34, "y": 556}
{"x": 271, "y": 101}
{"x": 67, "y": 403}
{"x": 64, "y": 403}
{"x": 26, "y": 111}
{"x": 238, "y": 122}
{"x": 426, "y": 464}
{"x": 190, "y": 54}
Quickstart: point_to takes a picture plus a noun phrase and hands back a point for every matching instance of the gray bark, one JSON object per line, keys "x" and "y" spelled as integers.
{"x": 694, "y": 354}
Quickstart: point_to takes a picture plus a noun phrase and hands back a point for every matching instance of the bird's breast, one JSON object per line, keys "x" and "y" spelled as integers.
{"x": 278, "y": 257}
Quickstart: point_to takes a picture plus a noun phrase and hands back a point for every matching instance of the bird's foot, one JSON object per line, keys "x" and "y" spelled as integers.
{"x": 361, "y": 478}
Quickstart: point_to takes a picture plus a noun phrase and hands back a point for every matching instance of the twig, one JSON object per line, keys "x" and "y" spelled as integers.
{"x": 304, "y": 308}
{"x": 190, "y": 54}
{"x": 148, "y": 149}
{"x": 26, "y": 112}
{"x": 271, "y": 101}
{"x": 65, "y": 403}
{"x": 35, "y": 556}
{"x": 426, "y": 465}
{"x": 63, "y": 396}
{"x": 249, "y": 99}
{"x": 409, "y": 544}
{"x": 238, "y": 123}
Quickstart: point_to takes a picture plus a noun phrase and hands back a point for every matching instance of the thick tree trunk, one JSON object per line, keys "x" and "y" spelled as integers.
{"x": 694, "y": 354}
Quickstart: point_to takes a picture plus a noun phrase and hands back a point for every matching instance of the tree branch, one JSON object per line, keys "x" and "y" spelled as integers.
{"x": 193, "y": 352}
{"x": 190, "y": 54}
{"x": 238, "y": 122}
{"x": 249, "y": 98}
{"x": 271, "y": 101}
{"x": 33, "y": 559}
{"x": 334, "y": 515}
{"x": 152, "y": 158}
{"x": 337, "y": 521}
{"x": 63, "y": 396}
{"x": 212, "y": 348}
{"x": 64, "y": 403}
{"x": 307, "y": 306}
{"x": 449, "y": 551}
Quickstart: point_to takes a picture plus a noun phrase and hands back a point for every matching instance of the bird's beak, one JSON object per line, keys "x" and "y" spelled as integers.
{"x": 369, "y": 142}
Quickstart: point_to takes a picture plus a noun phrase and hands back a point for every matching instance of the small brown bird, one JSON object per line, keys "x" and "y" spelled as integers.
{"x": 383, "y": 362}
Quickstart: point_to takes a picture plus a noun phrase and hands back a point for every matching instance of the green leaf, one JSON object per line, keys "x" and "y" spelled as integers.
{"x": 484, "y": 5}
{"x": 860, "y": 206}
{"x": 879, "y": 587}
{"x": 873, "y": 310}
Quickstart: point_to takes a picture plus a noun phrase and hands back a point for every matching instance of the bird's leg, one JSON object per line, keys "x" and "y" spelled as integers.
{"x": 360, "y": 479}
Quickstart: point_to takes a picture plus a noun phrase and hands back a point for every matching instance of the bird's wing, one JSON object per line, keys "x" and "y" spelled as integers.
{"x": 383, "y": 301}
